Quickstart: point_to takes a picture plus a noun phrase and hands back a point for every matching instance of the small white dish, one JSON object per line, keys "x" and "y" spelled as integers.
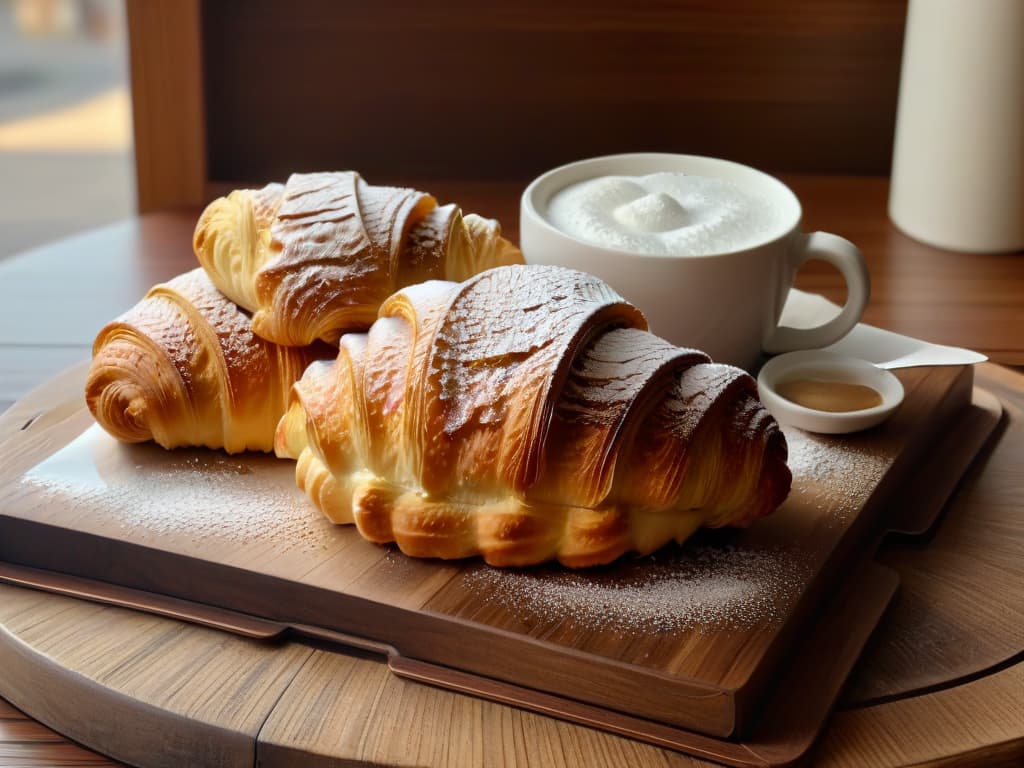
{"x": 827, "y": 366}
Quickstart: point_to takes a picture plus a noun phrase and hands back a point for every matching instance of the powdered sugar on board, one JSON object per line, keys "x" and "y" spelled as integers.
{"x": 719, "y": 582}
{"x": 702, "y": 588}
{"x": 837, "y": 472}
{"x": 715, "y": 583}
{"x": 202, "y": 495}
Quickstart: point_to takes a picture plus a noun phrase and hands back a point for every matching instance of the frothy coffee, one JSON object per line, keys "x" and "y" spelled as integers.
{"x": 670, "y": 214}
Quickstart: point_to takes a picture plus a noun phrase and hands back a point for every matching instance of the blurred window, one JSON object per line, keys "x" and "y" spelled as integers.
{"x": 66, "y": 161}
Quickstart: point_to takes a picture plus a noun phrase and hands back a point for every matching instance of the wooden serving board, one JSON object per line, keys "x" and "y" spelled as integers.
{"x": 678, "y": 649}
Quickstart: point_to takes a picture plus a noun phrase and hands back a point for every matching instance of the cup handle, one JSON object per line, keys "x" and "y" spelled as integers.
{"x": 848, "y": 259}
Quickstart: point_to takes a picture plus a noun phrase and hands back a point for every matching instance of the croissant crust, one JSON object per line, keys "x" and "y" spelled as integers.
{"x": 524, "y": 415}
{"x": 183, "y": 367}
{"x": 315, "y": 257}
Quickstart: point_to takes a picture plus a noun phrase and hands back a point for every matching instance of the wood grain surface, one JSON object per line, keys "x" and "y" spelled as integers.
{"x": 504, "y": 91}
{"x": 360, "y": 711}
{"x": 167, "y": 102}
{"x": 197, "y": 706}
{"x": 347, "y": 707}
{"x": 777, "y": 739}
{"x": 932, "y": 631}
{"x": 26, "y": 742}
{"x": 69, "y": 516}
{"x": 954, "y": 298}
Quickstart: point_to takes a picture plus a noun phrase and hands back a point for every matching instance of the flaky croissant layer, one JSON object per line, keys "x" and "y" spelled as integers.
{"x": 525, "y": 415}
{"x": 183, "y": 367}
{"x": 315, "y": 257}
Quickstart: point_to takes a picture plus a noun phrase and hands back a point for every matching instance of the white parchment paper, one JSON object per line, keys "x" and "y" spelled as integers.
{"x": 884, "y": 348}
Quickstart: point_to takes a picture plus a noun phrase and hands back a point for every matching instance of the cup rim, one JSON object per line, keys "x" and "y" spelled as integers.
{"x": 530, "y": 210}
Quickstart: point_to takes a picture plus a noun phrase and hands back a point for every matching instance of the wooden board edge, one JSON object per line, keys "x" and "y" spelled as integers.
{"x": 862, "y": 538}
{"x": 946, "y": 466}
{"x": 79, "y": 371}
{"x": 58, "y": 697}
{"x": 984, "y": 717}
{"x": 25, "y": 542}
{"x": 836, "y": 641}
{"x": 842, "y": 631}
{"x": 225, "y": 620}
{"x": 580, "y": 713}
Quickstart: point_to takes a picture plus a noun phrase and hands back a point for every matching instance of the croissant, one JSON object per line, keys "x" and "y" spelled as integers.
{"x": 314, "y": 258}
{"x": 183, "y": 367}
{"x": 524, "y": 415}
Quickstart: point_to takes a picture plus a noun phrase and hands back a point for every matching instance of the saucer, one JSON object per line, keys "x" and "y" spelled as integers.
{"x": 829, "y": 367}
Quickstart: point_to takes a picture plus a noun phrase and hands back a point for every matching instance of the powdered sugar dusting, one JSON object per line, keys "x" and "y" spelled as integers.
{"x": 608, "y": 375}
{"x": 840, "y": 474}
{"x": 488, "y": 365}
{"x": 696, "y": 392}
{"x": 703, "y": 589}
{"x": 206, "y": 496}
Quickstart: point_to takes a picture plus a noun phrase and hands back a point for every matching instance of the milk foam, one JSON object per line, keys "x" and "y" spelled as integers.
{"x": 671, "y": 214}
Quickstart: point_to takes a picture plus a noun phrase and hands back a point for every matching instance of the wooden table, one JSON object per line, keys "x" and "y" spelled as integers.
{"x": 943, "y": 682}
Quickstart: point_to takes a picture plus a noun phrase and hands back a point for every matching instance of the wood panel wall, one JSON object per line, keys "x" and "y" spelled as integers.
{"x": 488, "y": 90}
{"x": 165, "y": 58}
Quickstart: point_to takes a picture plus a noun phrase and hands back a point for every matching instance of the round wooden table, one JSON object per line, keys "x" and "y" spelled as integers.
{"x": 941, "y": 684}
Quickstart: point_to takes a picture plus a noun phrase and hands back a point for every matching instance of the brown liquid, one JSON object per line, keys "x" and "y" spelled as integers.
{"x": 831, "y": 396}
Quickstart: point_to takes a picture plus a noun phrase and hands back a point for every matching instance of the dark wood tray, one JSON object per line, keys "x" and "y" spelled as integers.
{"x": 216, "y": 534}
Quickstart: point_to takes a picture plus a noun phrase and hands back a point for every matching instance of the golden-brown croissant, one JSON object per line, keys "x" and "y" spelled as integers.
{"x": 314, "y": 258}
{"x": 526, "y": 415}
{"x": 183, "y": 367}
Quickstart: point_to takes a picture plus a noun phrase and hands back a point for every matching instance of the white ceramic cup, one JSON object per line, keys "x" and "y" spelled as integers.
{"x": 727, "y": 304}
